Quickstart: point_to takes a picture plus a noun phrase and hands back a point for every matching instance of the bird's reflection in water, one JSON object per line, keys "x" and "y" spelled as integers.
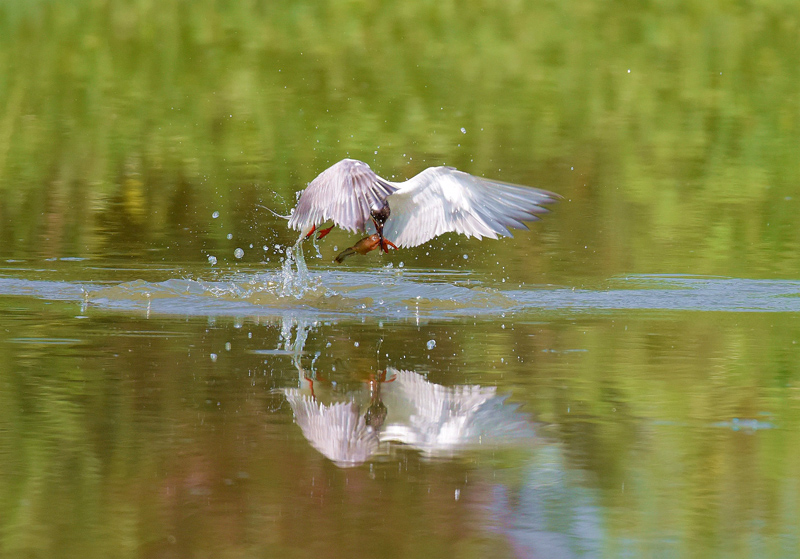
{"x": 397, "y": 406}
{"x": 337, "y": 430}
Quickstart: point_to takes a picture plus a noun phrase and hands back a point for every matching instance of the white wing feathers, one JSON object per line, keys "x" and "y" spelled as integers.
{"x": 345, "y": 193}
{"x": 438, "y": 200}
{"x": 442, "y": 199}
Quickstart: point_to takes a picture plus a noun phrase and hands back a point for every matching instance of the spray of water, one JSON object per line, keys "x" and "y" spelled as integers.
{"x": 295, "y": 278}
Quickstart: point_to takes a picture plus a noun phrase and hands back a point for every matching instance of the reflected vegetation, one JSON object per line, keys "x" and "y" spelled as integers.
{"x": 157, "y": 434}
{"x": 671, "y": 131}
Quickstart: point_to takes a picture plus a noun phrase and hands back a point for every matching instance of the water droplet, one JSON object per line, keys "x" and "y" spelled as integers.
{"x": 212, "y": 259}
{"x": 229, "y": 236}
{"x": 238, "y": 253}
{"x": 213, "y": 357}
{"x": 431, "y": 344}
{"x": 465, "y": 257}
{"x": 215, "y": 215}
{"x": 355, "y": 344}
{"x": 227, "y": 346}
{"x": 463, "y": 130}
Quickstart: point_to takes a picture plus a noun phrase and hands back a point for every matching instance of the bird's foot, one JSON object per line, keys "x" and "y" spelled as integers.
{"x": 385, "y": 244}
{"x": 323, "y": 232}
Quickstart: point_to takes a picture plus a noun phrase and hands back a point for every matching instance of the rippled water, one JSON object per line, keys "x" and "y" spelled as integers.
{"x": 403, "y": 293}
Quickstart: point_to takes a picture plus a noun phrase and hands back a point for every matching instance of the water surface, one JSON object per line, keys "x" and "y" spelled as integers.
{"x": 213, "y": 412}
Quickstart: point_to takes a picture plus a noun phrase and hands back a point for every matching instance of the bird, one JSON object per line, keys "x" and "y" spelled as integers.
{"x": 405, "y": 214}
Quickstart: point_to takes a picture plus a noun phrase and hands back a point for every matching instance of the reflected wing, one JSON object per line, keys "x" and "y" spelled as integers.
{"x": 345, "y": 193}
{"x": 337, "y": 431}
{"x": 439, "y": 420}
{"x": 442, "y": 199}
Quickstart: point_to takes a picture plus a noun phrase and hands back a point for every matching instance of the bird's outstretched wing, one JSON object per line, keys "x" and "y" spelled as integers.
{"x": 345, "y": 193}
{"x": 442, "y": 199}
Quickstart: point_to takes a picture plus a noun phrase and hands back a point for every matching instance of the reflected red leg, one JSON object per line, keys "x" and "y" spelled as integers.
{"x": 310, "y": 386}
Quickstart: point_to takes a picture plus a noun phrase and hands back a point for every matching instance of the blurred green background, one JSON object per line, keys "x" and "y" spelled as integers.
{"x": 672, "y": 128}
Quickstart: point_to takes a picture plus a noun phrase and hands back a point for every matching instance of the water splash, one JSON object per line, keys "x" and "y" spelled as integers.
{"x": 295, "y": 344}
{"x": 291, "y": 291}
{"x": 295, "y": 278}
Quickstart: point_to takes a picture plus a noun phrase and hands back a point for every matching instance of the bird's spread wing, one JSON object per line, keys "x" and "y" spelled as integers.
{"x": 345, "y": 193}
{"x": 443, "y": 199}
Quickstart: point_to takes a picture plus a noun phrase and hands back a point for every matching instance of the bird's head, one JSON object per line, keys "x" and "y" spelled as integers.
{"x": 380, "y": 216}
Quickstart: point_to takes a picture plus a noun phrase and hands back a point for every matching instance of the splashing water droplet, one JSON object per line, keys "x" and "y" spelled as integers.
{"x": 463, "y": 130}
{"x": 229, "y": 236}
{"x": 295, "y": 279}
{"x": 238, "y": 253}
{"x": 212, "y": 259}
{"x": 215, "y": 215}
{"x": 431, "y": 344}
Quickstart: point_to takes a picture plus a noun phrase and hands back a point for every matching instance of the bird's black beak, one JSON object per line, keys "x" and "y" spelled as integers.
{"x": 379, "y": 218}
{"x": 379, "y": 229}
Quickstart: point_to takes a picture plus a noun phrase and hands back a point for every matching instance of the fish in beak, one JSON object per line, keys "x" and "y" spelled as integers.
{"x": 365, "y": 245}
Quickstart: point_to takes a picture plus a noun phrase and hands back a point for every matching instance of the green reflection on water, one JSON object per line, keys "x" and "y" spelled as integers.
{"x": 672, "y": 131}
{"x": 670, "y": 433}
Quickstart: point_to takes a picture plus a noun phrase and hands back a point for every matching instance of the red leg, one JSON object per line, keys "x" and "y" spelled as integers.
{"x": 323, "y": 232}
{"x": 314, "y": 228}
